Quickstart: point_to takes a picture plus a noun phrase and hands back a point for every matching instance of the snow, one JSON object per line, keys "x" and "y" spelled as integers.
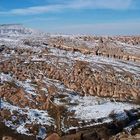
{"x": 42, "y": 132}
{"x": 33, "y": 116}
{"x": 129, "y": 48}
{"x": 28, "y": 87}
{"x": 85, "y": 108}
{"x": 38, "y": 59}
{"x": 2, "y": 39}
{"x": 22, "y": 130}
{"x": 14, "y": 30}
{"x": 44, "y": 89}
{"x": 132, "y": 125}
{"x": 118, "y": 65}
{"x": 40, "y": 117}
{"x": 5, "y": 77}
{"x": 90, "y": 108}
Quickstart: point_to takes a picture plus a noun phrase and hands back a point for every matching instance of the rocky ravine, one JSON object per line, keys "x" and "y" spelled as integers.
{"x": 80, "y": 87}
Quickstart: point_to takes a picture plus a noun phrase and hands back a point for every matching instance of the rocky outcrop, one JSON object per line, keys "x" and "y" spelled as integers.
{"x": 46, "y": 82}
{"x": 53, "y": 136}
{"x": 112, "y": 47}
{"x": 84, "y": 77}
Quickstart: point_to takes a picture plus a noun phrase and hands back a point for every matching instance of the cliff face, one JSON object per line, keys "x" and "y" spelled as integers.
{"x": 68, "y": 84}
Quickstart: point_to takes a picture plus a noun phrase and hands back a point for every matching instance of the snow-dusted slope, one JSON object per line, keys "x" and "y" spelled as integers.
{"x": 15, "y": 30}
{"x": 66, "y": 84}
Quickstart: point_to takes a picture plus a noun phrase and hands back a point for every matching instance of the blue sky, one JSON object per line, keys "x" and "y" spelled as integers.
{"x": 101, "y": 17}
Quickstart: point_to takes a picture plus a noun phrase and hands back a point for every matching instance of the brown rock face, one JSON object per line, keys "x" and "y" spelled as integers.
{"x": 53, "y": 136}
{"x": 81, "y": 87}
{"x": 7, "y": 138}
{"x": 127, "y": 136}
{"x": 112, "y": 47}
{"x": 5, "y": 113}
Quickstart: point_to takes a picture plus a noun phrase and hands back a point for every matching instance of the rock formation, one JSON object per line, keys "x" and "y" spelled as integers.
{"x": 68, "y": 87}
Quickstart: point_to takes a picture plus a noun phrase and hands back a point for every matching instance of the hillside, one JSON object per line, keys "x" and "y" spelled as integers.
{"x": 80, "y": 87}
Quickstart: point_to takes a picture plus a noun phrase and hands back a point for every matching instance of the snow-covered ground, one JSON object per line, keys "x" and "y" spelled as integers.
{"x": 77, "y": 107}
{"x": 94, "y": 108}
{"x": 118, "y": 65}
{"x": 33, "y": 116}
{"x": 85, "y": 109}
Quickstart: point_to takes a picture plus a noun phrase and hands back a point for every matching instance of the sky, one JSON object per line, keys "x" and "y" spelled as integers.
{"x": 99, "y": 17}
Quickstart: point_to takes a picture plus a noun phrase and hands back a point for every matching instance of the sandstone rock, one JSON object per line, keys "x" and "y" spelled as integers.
{"x": 53, "y": 136}
{"x": 5, "y": 113}
{"x": 8, "y": 138}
